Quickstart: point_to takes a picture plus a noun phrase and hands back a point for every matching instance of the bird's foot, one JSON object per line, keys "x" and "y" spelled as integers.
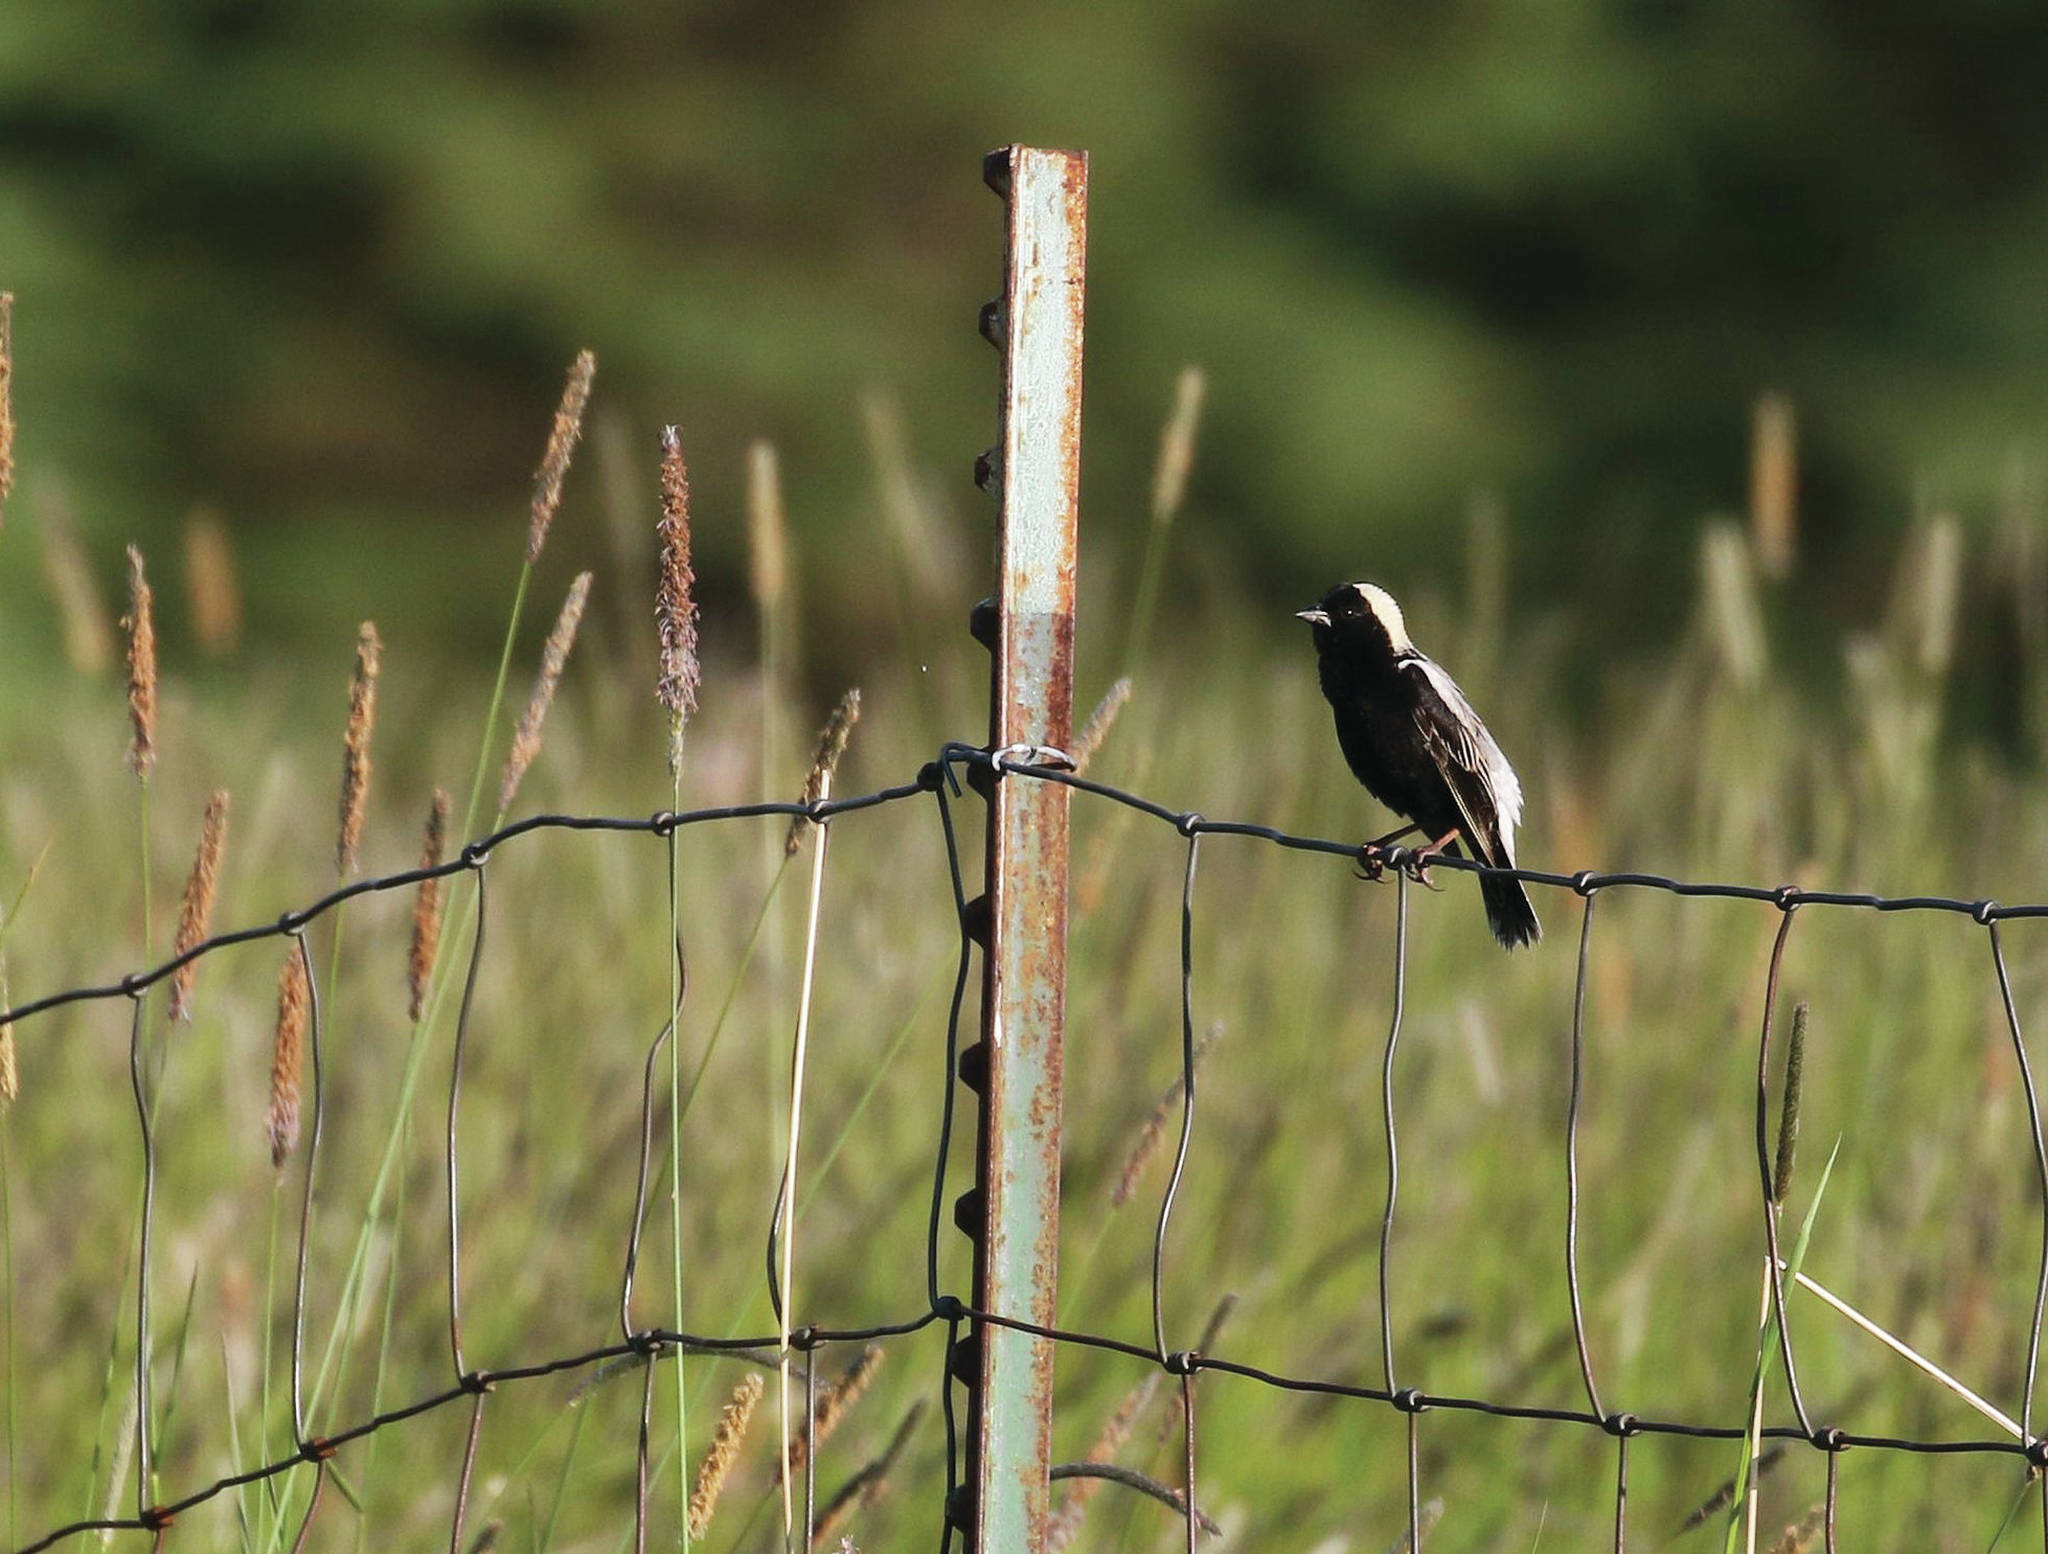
{"x": 1374, "y": 856}
{"x": 1418, "y": 861}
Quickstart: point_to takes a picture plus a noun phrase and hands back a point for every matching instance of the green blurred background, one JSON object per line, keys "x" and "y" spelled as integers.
{"x": 321, "y": 267}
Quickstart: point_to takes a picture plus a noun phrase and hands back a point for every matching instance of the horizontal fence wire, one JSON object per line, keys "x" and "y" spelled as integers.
{"x": 940, "y": 779}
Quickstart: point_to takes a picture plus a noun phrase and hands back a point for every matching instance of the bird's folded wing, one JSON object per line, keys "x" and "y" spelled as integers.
{"x": 1472, "y": 765}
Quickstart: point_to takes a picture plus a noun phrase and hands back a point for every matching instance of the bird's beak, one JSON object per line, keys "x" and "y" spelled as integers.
{"x": 1313, "y": 617}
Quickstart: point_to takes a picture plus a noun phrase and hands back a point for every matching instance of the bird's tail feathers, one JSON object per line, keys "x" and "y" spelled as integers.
{"x": 1508, "y": 911}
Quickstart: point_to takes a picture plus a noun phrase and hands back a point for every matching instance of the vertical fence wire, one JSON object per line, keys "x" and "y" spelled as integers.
{"x": 462, "y": 1015}
{"x": 300, "y": 1437}
{"x": 143, "y": 1106}
{"x": 1387, "y": 1110}
{"x": 1187, "y": 1093}
{"x": 1621, "y": 1440}
{"x": 1773, "y": 1265}
{"x": 1571, "y": 1164}
{"x": 2019, "y": 1049}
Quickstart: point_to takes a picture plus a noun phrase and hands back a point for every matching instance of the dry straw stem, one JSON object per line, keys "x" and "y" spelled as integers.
{"x": 866, "y": 1486}
{"x": 88, "y": 628}
{"x": 832, "y": 740}
{"x": 426, "y": 907}
{"x": 675, "y": 605}
{"x": 725, "y": 1449}
{"x": 196, "y": 912}
{"x": 554, "y": 463}
{"x": 1774, "y": 484}
{"x": 1116, "y": 1431}
{"x": 210, "y": 581}
{"x": 6, "y": 398}
{"x": 1788, "y": 1112}
{"x": 140, "y": 624}
{"x": 1177, "y": 445}
{"x": 767, "y": 528}
{"x": 1154, "y": 1130}
{"x": 281, "y": 1122}
{"x": 355, "y": 746}
{"x": 833, "y": 1405}
{"x": 1099, "y": 723}
{"x": 526, "y": 738}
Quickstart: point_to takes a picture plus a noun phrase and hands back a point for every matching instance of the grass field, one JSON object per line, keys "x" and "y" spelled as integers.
{"x": 1705, "y": 762}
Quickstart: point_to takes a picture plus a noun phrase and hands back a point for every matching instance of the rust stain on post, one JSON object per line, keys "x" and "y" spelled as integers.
{"x": 1025, "y": 990}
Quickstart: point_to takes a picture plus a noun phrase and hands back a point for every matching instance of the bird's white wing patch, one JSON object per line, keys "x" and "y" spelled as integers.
{"x": 1475, "y": 749}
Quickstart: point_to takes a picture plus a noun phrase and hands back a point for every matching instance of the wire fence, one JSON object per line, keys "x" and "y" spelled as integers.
{"x": 939, "y": 782}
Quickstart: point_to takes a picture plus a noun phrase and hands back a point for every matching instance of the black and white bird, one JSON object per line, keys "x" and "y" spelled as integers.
{"x": 1417, "y": 745}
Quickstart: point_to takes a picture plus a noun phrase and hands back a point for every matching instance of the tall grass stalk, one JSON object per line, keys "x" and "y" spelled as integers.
{"x": 10, "y": 1089}
{"x": 798, "y": 1057}
{"x": 1169, "y": 487}
{"x": 769, "y": 582}
{"x": 8, "y": 1313}
{"x": 391, "y": 1265}
{"x": 1743, "y": 1504}
{"x": 675, "y": 1144}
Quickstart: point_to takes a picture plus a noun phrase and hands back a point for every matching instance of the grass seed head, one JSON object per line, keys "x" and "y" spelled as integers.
{"x": 1788, "y": 1109}
{"x": 1177, "y": 445}
{"x": 866, "y": 1486}
{"x": 1798, "y": 1537}
{"x": 210, "y": 581}
{"x": 1938, "y": 591}
{"x": 767, "y": 528}
{"x": 725, "y": 1448}
{"x": 88, "y": 628}
{"x": 355, "y": 747}
{"x": 1153, "y": 1133}
{"x": 526, "y": 739}
{"x": 554, "y": 464}
{"x": 1116, "y": 1432}
{"x": 1734, "y": 617}
{"x": 1774, "y": 484}
{"x": 1099, "y": 723}
{"x": 675, "y": 605}
{"x": 196, "y": 912}
{"x": 833, "y": 1405}
{"x": 294, "y": 995}
{"x": 832, "y": 740}
{"x": 426, "y": 909}
{"x": 140, "y": 623}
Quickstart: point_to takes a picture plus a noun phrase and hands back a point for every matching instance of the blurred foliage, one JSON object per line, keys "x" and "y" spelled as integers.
{"x": 321, "y": 266}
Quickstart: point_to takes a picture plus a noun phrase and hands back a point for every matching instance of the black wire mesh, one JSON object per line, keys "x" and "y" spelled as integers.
{"x": 939, "y": 779}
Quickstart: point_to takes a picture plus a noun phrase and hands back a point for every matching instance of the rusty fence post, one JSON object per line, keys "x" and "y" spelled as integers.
{"x": 1014, "y": 1211}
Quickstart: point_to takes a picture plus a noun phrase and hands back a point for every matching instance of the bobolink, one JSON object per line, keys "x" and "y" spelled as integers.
{"x": 1415, "y": 742}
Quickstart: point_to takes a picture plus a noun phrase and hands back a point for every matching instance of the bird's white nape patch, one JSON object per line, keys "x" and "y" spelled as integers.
{"x": 1386, "y": 612}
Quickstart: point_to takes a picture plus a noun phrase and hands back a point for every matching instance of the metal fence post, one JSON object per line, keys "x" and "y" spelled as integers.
{"x": 1036, "y": 469}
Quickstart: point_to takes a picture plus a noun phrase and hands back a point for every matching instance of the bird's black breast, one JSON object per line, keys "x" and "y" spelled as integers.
{"x": 1379, "y": 731}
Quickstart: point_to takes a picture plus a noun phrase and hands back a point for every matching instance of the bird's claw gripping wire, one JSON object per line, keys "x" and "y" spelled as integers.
{"x": 1375, "y": 855}
{"x": 1418, "y": 861}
